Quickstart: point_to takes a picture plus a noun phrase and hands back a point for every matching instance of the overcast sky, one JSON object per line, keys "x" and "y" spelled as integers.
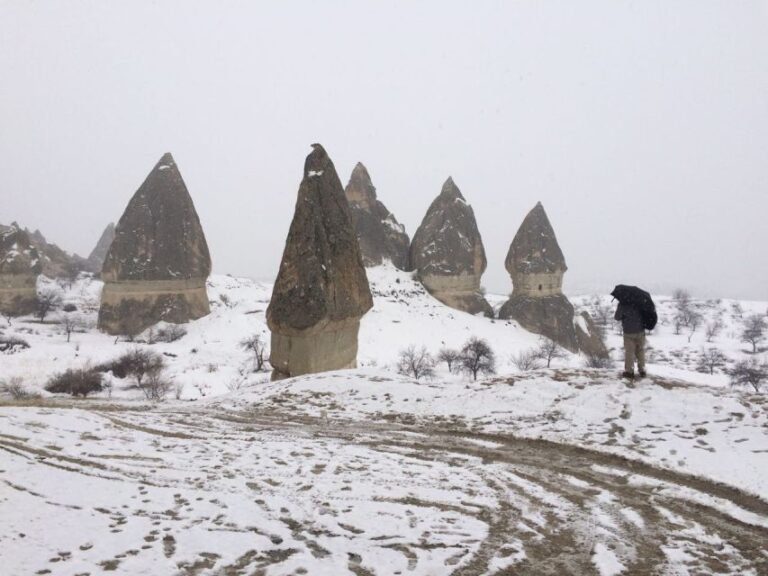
{"x": 641, "y": 125}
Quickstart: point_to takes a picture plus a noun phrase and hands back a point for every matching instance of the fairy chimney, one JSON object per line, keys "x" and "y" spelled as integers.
{"x": 448, "y": 255}
{"x": 537, "y": 266}
{"x": 20, "y": 266}
{"x": 321, "y": 291}
{"x": 95, "y": 260}
{"x": 380, "y": 235}
{"x": 157, "y": 265}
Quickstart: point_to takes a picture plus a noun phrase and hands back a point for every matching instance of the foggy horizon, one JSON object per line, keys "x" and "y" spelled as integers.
{"x": 641, "y": 128}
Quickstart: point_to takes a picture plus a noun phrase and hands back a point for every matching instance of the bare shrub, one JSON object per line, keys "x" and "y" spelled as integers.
{"x": 12, "y": 344}
{"x": 526, "y": 360}
{"x": 170, "y": 333}
{"x": 710, "y": 359}
{"x": 76, "y": 381}
{"x": 258, "y": 350}
{"x": 600, "y": 361}
{"x": 754, "y": 331}
{"x": 450, "y": 356}
{"x": 749, "y": 372}
{"x": 416, "y": 363}
{"x": 14, "y": 387}
{"x": 713, "y": 330}
{"x": 71, "y": 322}
{"x": 549, "y": 350}
{"x": 178, "y": 390}
{"x": 477, "y": 357}
{"x": 156, "y": 386}
{"x": 48, "y": 300}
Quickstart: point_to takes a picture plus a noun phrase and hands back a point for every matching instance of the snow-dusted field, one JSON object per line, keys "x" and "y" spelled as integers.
{"x": 560, "y": 471}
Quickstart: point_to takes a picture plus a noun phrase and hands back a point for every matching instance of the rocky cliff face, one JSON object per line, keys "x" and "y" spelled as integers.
{"x": 321, "y": 291}
{"x": 156, "y": 267}
{"x": 380, "y": 235}
{"x": 447, "y": 252}
{"x": 96, "y": 259}
{"x": 20, "y": 265}
{"x": 537, "y": 265}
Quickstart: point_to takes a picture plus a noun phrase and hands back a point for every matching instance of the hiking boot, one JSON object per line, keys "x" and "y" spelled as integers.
{"x": 629, "y": 375}
{"x": 643, "y": 374}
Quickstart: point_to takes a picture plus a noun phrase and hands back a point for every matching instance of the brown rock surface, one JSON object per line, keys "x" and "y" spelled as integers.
{"x": 157, "y": 265}
{"x": 321, "y": 291}
{"x": 20, "y": 265}
{"x": 380, "y": 235}
{"x": 448, "y": 255}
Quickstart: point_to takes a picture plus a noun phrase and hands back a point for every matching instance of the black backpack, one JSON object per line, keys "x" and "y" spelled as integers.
{"x": 640, "y": 300}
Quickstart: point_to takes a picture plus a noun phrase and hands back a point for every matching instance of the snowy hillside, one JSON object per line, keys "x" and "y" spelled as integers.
{"x": 366, "y": 472}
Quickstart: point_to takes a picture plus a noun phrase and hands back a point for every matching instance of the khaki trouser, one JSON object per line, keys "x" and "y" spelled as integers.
{"x": 634, "y": 347}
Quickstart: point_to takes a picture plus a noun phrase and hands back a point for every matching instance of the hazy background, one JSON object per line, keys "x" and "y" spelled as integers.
{"x": 641, "y": 125}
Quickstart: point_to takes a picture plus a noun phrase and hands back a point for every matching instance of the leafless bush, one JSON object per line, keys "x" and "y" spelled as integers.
{"x": 477, "y": 356}
{"x": 170, "y": 333}
{"x": 600, "y": 361}
{"x": 76, "y": 381}
{"x": 12, "y": 344}
{"x": 549, "y": 350}
{"x": 178, "y": 390}
{"x": 257, "y": 348}
{"x": 14, "y": 387}
{"x": 450, "y": 356}
{"x": 156, "y": 386}
{"x": 526, "y": 360}
{"x": 710, "y": 359}
{"x": 48, "y": 299}
{"x": 71, "y": 322}
{"x": 712, "y": 330}
{"x": 416, "y": 363}
{"x": 749, "y": 372}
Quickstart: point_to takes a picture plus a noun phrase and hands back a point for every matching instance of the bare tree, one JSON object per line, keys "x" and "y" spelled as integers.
{"x": 449, "y": 356}
{"x": 549, "y": 350}
{"x": 142, "y": 363}
{"x": 754, "y": 331}
{"x": 416, "y": 362}
{"x": 477, "y": 357}
{"x": 156, "y": 386}
{"x": 749, "y": 373}
{"x": 48, "y": 299}
{"x": 526, "y": 360}
{"x": 710, "y": 359}
{"x": 712, "y": 330}
{"x": 71, "y": 322}
{"x": 694, "y": 321}
{"x": 258, "y": 349}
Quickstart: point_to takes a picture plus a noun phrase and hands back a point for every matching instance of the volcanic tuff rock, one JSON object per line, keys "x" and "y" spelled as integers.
{"x": 96, "y": 259}
{"x": 379, "y": 234}
{"x": 537, "y": 265}
{"x": 20, "y": 266}
{"x": 157, "y": 265}
{"x": 321, "y": 291}
{"x": 447, "y": 252}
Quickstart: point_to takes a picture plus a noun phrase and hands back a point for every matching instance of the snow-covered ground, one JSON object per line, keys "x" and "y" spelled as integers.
{"x": 561, "y": 470}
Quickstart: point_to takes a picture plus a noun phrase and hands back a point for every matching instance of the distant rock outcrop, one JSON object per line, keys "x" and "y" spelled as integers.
{"x": 321, "y": 291}
{"x": 20, "y": 266}
{"x": 380, "y": 235}
{"x": 537, "y": 265}
{"x": 54, "y": 261}
{"x": 96, "y": 259}
{"x": 157, "y": 265}
{"x": 448, "y": 255}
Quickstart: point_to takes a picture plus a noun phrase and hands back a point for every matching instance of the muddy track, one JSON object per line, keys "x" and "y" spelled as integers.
{"x": 678, "y": 512}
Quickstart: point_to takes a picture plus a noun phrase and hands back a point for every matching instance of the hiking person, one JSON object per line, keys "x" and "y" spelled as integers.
{"x": 637, "y": 313}
{"x": 634, "y": 339}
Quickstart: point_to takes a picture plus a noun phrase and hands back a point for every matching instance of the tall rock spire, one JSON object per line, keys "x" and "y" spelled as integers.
{"x": 20, "y": 265}
{"x": 447, "y": 252}
{"x": 380, "y": 235}
{"x": 157, "y": 265}
{"x": 537, "y": 265}
{"x": 321, "y": 291}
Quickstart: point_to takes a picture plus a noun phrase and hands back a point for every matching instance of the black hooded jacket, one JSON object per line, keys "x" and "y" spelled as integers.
{"x": 630, "y": 318}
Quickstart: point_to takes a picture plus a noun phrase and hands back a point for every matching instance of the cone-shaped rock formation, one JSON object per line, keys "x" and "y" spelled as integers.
{"x": 157, "y": 265}
{"x": 99, "y": 253}
{"x": 537, "y": 265}
{"x": 20, "y": 266}
{"x": 380, "y": 235}
{"x": 321, "y": 291}
{"x": 447, "y": 252}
